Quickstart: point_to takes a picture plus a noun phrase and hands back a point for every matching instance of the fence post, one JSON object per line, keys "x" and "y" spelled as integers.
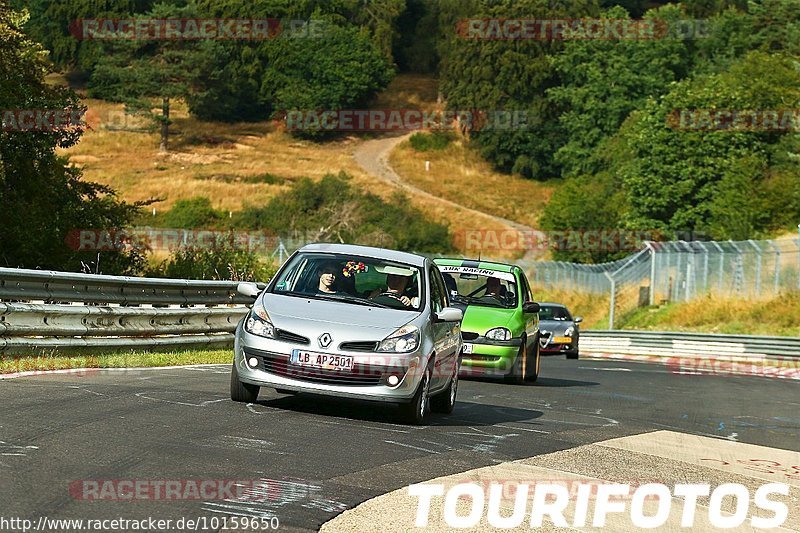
{"x": 652, "y": 249}
{"x": 721, "y": 265}
{"x": 758, "y": 266}
{"x": 777, "y": 280}
{"x": 613, "y": 302}
{"x": 705, "y": 266}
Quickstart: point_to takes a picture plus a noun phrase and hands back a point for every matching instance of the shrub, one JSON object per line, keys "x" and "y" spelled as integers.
{"x": 426, "y": 142}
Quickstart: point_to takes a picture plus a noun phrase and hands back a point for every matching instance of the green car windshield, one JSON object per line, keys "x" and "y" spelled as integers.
{"x": 479, "y": 286}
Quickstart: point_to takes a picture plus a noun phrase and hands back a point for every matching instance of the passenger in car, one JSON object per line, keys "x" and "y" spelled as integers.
{"x": 327, "y": 279}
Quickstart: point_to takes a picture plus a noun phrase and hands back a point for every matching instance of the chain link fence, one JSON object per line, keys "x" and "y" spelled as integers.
{"x": 680, "y": 271}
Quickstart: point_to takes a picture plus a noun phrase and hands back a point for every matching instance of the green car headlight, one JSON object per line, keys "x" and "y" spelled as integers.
{"x": 499, "y": 334}
{"x": 259, "y": 323}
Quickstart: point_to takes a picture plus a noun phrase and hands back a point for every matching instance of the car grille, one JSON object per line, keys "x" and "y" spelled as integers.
{"x": 469, "y": 336}
{"x": 359, "y": 346}
{"x": 288, "y": 336}
{"x": 279, "y": 364}
{"x": 476, "y": 357}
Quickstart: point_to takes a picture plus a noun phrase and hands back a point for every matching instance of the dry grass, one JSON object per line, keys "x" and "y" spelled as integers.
{"x": 769, "y": 316}
{"x": 219, "y": 160}
{"x": 205, "y": 159}
{"x": 409, "y": 91}
{"x": 458, "y": 173}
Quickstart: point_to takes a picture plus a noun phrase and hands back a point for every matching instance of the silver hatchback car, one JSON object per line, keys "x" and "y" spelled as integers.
{"x": 356, "y": 322}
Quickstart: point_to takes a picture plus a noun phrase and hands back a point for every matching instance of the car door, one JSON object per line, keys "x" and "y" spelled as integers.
{"x": 532, "y": 320}
{"x": 444, "y": 340}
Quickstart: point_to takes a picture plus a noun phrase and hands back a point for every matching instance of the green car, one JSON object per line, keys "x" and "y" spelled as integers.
{"x": 501, "y": 322}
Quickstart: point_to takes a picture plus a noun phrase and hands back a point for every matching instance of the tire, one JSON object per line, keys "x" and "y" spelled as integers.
{"x": 534, "y": 369}
{"x": 445, "y": 401}
{"x": 572, "y": 355}
{"x": 516, "y": 376}
{"x": 415, "y": 411}
{"x": 242, "y": 392}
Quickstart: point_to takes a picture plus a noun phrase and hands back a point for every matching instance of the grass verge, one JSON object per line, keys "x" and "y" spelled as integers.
{"x": 769, "y": 316}
{"x": 60, "y": 361}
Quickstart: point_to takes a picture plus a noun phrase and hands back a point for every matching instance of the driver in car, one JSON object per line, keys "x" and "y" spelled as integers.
{"x": 397, "y": 285}
{"x": 493, "y": 289}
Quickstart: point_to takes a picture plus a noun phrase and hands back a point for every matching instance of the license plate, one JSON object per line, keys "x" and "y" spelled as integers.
{"x": 466, "y": 348}
{"x": 562, "y": 340}
{"x": 324, "y": 361}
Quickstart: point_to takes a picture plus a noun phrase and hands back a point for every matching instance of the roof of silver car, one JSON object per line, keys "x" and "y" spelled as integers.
{"x": 367, "y": 251}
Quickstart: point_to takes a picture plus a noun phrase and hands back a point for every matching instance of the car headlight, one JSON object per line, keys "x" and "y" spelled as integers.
{"x": 259, "y": 323}
{"x": 570, "y": 331}
{"x": 499, "y": 334}
{"x": 405, "y": 339}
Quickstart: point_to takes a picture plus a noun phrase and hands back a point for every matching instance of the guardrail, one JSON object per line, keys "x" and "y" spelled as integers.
{"x": 697, "y": 353}
{"x": 47, "y": 309}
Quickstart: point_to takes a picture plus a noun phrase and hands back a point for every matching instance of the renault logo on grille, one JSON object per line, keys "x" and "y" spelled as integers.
{"x": 325, "y": 340}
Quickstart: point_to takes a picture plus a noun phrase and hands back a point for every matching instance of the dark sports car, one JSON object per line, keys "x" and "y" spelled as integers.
{"x": 559, "y": 331}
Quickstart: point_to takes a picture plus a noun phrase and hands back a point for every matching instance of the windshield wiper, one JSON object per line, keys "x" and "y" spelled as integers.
{"x": 471, "y": 300}
{"x": 351, "y": 299}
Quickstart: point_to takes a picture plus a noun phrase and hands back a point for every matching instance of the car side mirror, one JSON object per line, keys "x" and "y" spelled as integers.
{"x": 530, "y": 308}
{"x": 450, "y": 314}
{"x": 578, "y": 319}
{"x": 249, "y": 289}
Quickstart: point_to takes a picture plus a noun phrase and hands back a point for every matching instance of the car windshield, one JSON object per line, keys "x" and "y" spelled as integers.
{"x": 553, "y": 312}
{"x": 351, "y": 279}
{"x": 478, "y": 286}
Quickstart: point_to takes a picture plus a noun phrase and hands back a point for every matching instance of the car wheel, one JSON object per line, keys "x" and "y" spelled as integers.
{"x": 535, "y": 362}
{"x": 445, "y": 401}
{"x": 414, "y": 412}
{"x": 517, "y": 375}
{"x": 242, "y": 392}
{"x": 572, "y": 355}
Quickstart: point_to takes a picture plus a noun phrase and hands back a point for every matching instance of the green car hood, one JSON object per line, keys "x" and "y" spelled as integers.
{"x": 479, "y": 319}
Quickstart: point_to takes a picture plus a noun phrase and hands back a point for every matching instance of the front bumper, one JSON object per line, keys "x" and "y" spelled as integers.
{"x": 490, "y": 358}
{"x": 367, "y": 381}
{"x": 559, "y": 348}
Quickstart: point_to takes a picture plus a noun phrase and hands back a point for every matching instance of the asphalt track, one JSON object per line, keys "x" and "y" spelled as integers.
{"x": 323, "y": 456}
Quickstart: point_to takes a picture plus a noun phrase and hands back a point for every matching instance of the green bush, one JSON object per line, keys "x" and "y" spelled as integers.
{"x": 225, "y": 259}
{"x": 426, "y": 142}
{"x": 332, "y": 210}
{"x": 191, "y": 213}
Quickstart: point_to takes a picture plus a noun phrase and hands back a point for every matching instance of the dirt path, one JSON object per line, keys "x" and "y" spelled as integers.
{"x": 373, "y": 157}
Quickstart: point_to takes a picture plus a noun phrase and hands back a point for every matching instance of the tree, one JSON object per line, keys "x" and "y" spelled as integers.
{"x": 603, "y": 80}
{"x": 679, "y": 171}
{"x": 138, "y": 71}
{"x": 341, "y": 69}
{"x": 513, "y": 75}
{"x": 42, "y": 197}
